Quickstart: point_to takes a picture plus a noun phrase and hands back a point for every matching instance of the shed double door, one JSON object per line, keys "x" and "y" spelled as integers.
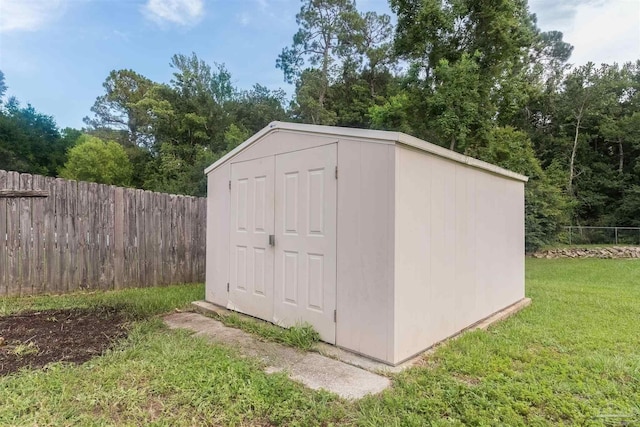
{"x": 289, "y": 278}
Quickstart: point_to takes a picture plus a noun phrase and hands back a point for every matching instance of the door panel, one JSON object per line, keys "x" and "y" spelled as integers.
{"x": 305, "y": 233}
{"x": 252, "y": 210}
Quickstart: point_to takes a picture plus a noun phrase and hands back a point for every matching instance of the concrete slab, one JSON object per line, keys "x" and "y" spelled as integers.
{"x": 311, "y": 369}
{"x": 364, "y": 362}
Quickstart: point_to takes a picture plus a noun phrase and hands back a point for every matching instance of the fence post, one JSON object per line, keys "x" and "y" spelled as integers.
{"x": 570, "y": 230}
{"x": 118, "y": 239}
{"x": 616, "y": 231}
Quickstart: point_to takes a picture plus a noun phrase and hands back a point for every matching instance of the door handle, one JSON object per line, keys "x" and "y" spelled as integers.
{"x": 272, "y": 239}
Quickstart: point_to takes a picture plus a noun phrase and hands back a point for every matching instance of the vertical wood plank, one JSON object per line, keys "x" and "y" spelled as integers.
{"x": 62, "y": 267}
{"x": 81, "y": 234}
{"x": 106, "y": 242}
{"x": 26, "y": 182}
{"x": 155, "y": 238}
{"x": 139, "y": 236}
{"x": 49, "y": 224}
{"x": 91, "y": 261}
{"x": 3, "y": 236}
{"x": 71, "y": 234}
{"x": 202, "y": 232}
{"x": 132, "y": 264}
{"x": 109, "y": 229}
{"x": 37, "y": 237}
{"x": 164, "y": 228}
{"x": 148, "y": 242}
{"x": 173, "y": 244}
{"x": 193, "y": 237}
{"x": 203, "y": 243}
{"x": 13, "y": 237}
{"x": 118, "y": 239}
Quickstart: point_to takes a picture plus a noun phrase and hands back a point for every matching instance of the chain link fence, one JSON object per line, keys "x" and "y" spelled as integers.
{"x": 584, "y": 235}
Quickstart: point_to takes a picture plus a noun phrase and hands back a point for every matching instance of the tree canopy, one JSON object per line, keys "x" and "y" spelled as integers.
{"x": 95, "y": 160}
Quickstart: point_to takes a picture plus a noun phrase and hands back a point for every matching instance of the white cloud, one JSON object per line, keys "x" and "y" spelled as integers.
{"x": 606, "y": 33}
{"x": 601, "y": 32}
{"x": 28, "y": 15}
{"x": 181, "y": 12}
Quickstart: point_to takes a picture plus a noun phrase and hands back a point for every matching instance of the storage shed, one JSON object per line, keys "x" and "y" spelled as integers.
{"x": 384, "y": 243}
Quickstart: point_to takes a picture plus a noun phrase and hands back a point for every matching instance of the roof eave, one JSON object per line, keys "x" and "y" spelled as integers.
{"x": 373, "y": 135}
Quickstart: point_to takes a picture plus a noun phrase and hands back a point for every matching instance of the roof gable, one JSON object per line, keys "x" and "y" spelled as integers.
{"x": 379, "y": 136}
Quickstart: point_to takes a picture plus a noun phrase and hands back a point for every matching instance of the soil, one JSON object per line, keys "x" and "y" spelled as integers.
{"x": 34, "y": 339}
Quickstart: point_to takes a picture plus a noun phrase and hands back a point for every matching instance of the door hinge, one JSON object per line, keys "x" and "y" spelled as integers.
{"x": 229, "y": 185}
{"x": 227, "y": 286}
{"x": 335, "y": 316}
{"x": 336, "y": 172}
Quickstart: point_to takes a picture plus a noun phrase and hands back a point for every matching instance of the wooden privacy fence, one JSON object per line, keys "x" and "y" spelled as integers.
{"x": 58, "y": 236}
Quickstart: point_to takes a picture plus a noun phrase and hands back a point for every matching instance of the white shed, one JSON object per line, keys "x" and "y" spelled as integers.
{"x": 385, "y": 243}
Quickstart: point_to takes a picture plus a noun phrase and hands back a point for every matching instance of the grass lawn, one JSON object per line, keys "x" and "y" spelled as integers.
{"x": 572, "y": 357}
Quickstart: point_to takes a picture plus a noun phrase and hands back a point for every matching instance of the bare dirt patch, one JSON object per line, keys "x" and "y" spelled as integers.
{"x": 34, "y": 339}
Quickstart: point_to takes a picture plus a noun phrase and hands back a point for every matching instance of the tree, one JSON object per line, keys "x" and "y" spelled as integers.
{"x": 374, "y": 41}
{"x": 255, "y": 108}
{"x": 235, "y": 136}
{"x": 30, "y": 141}
{"x": 118, "y": 108}
{"x": 3, "y": 86}
{"x": 455, "y": 103}
{"x": 581, "y": 94}
{"x": 94, "y": 160}
{"x": 484, "y": 46}
{"x": 170, "y": 173}
{"x": 324, "y": 33}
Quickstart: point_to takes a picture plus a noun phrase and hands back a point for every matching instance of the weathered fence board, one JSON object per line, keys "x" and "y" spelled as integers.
{"x": 3, "y": 236}
{"x": 80, "y": 235}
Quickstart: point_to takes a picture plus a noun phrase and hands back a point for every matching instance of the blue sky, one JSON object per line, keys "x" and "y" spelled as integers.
{"x": 56, "y": 53}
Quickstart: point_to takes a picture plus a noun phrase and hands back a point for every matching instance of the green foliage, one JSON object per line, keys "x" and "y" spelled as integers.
{"x": 300, "y": 336}
{"x": 546, "y": 206}
{"x": 392, "y": 115}
{"x": 30, "y": 141}
{"x": 455, "y": 104}
{"x": 307, "y": 107}
{"x": 235, "y": 136}
{"x": 118, "y": 108}
{"x": 179, "y": 169}
{"x": 94, "y": 160}
{"x": 467, "y": 59}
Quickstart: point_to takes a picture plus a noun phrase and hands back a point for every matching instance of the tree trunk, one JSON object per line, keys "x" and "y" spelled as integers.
{"x": 573, "y": 155}
{"x": 620, "y": 157}
{"x": 452, "y": 146}
{"x": 325, "y": 74}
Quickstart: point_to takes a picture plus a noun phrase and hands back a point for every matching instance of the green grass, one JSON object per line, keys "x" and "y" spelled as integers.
{"x": 572, "y": 357}
{"x": 299, "y": 336}
{"x": 136, "y": 303}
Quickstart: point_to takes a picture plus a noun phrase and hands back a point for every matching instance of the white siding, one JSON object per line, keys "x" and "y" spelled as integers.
{"x": 459, "y": 248}
{"x": 218, "y": 204}
{"x": 365, "y": 248}
{"x": 282, "y": 141}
